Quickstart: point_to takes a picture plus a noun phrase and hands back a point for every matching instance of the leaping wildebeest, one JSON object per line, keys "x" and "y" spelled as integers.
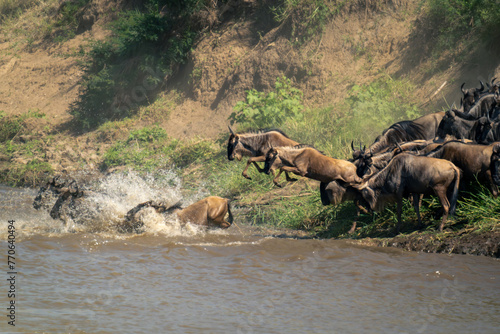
{"x": 207, "y": 212}
{"x": 307, "y": 161}
{"x": 411, "y": 174}
{"x": 255, "y": 145}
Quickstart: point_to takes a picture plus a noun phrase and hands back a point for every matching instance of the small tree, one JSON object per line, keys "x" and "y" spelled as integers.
{"x": 261, "y": 110}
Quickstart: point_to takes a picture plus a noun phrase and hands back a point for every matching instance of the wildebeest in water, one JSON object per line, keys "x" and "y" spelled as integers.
{"x": 208, "y": 212}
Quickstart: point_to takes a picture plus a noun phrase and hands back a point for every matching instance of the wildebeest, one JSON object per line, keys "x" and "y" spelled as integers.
{"x": 493, "y": 87}
{"x": 369, "y": 163}
{"x": 307, "y": 161}
{"x": 65, "y": 192}
{"x": 411, "y": 174}
{"x": 459, "y": 125}
{"x": 334, "y": 193}
{"x": 473, "y": 159}
{"x": 470, "y": 96}
{"x": 256, "y": 145}
{"x": 207, "y": 212}
{"x": 422, "y": 128}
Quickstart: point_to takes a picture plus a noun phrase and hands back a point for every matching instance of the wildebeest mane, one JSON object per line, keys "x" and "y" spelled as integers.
{"x": 403, "y": 131}
{"x": 263, "y": 131}
{"x": 301, "y": 146}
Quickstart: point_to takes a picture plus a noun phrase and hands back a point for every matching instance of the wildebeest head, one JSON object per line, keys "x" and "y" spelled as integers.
{"x": 483, "y": 131}
{"x": 364, "y": 163}
{"x": 445, "y": 126}
{"x": 234, "y": 146}
{"x": 471, "y": 95}
{"x": 495, "y": 164}
{"x": 357, "y": 154}
{"x": 493, "y": 87}
{"x": 369, "y": 195}
{"x": 273, "y": 161}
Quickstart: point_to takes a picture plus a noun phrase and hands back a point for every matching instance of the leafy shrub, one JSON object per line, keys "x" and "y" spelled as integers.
{"x": 261, "y": 110}
{"x": 123, "y": 72}
{"x": 367, "y": 110}
{"x": 456, "y": 20}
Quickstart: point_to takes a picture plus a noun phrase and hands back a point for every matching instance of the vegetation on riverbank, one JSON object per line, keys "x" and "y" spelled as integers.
{"x": 149, "y": 43}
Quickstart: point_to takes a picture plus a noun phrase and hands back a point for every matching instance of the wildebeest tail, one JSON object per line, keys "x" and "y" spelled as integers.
{"x": 454, "y": 194}
{"x": 230, "y": 217}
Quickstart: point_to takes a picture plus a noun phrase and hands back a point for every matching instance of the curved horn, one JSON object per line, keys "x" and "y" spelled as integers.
{"x": 231, "y": 130}
{"x": 352, "y": 145}
{"x": 462, "y": 88}
{"x": 482, "y": 86}
{"x": 400, "y": 148}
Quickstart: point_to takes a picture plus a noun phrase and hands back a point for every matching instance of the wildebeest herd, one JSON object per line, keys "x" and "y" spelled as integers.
{"x": 436, "y": 153}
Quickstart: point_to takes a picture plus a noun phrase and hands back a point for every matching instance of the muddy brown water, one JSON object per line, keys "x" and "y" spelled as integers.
{"x": 242, "y": 280}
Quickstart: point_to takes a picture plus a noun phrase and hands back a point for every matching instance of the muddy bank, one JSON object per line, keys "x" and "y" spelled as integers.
{"x": 473, "y": 243}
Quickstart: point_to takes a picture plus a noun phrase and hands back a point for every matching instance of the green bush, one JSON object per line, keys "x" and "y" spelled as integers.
{"x": 367, "y": 110}
{"x": 261, "y": 110}
{"x": 125, "y": 71}
{"x": 457, "y": 20}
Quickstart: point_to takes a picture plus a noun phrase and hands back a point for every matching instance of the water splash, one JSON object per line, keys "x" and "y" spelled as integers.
{"x": 103, "y": 208}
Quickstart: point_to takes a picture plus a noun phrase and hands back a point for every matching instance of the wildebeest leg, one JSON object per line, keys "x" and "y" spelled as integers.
{"x": 325, "y": 199}
{"x": 492, "y": 185}
{"x": 285, "y": 169}
{"x": 56, "y": 209}
{"x": 416, "y": 204}
{"x": 254, "y": 160}
{"x": 399, "y": 209}
{"x": 288, "y": 178}
{"x": 441, "y": 194}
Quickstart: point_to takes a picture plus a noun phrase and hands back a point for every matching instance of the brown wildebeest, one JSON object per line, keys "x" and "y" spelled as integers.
{"x": 307, "y": 161}
{"x": 208, "y": 212}
{"x": 256, "y": 145}
{"x": 411, "y": 174}
{"x": 473, "y": 159}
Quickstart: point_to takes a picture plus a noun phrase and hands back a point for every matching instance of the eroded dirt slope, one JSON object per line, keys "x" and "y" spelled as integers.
{"x": 248, "y": 51}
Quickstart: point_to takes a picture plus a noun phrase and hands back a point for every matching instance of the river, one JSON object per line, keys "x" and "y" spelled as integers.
{"x": 241, "y": 280}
